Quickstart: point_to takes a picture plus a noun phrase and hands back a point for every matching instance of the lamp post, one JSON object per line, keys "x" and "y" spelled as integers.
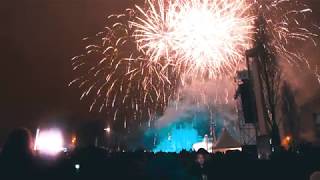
{"x": 108, "y": 138}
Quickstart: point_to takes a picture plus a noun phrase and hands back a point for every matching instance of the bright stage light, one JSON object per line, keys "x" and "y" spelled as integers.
{"x": 49, "y": 142}
{"x": 108, "y": 129}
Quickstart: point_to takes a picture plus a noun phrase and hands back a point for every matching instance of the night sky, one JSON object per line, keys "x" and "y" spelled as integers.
{"x": 38, "y": 38}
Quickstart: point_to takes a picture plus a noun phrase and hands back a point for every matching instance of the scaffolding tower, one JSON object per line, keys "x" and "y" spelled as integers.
{"x": 247, "y": 130}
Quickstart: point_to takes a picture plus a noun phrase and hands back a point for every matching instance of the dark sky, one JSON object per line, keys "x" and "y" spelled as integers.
{"x": 38, "y": 38}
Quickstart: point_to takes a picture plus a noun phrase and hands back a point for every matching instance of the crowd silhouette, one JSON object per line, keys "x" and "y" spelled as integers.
{"x": 18, "y": 160}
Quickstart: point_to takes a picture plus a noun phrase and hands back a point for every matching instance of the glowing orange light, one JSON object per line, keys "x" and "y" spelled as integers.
{"x": 74, "y": 140}
{"x": 288, "y": 138}
{"x": 286, "y": 141}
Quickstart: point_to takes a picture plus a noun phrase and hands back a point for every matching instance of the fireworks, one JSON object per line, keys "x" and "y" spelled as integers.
{"x": 118, "y": 77}
{"x": 204, "y": 36}
{"x": 285, "y": 21}
{"x": 139, "y": 62}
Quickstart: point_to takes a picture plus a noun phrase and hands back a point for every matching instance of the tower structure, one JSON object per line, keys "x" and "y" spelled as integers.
{"x": 246, "y": 109}
{"x": 265, "y": 75}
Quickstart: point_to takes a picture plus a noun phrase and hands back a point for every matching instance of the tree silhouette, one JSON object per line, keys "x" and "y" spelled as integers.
{"x": 269, "y": 76}
{"x": 289, "y": 111}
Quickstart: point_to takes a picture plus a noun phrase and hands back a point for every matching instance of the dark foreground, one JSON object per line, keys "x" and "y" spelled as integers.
{"x": 94, "y": 163}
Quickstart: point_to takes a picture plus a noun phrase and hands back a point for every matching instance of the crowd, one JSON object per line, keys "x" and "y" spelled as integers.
{"x": 19, "y": 161}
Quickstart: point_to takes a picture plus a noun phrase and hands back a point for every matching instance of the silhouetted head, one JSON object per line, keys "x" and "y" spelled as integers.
{"x": 202, "y": 151}
{"x": 18, "y": 145}
{"x": 315, "y": 175}
{"x": 201, "y": 157}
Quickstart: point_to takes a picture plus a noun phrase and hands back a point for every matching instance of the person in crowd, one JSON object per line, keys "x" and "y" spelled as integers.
{"x": 315, "y": 175}
{"x": 17, "y": 156}
{"x": 199, "y": 170}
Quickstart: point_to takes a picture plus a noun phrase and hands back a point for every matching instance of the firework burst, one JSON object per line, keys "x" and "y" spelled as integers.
{"x": 200, "y": 36}
{"x": 136, "y": 65}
